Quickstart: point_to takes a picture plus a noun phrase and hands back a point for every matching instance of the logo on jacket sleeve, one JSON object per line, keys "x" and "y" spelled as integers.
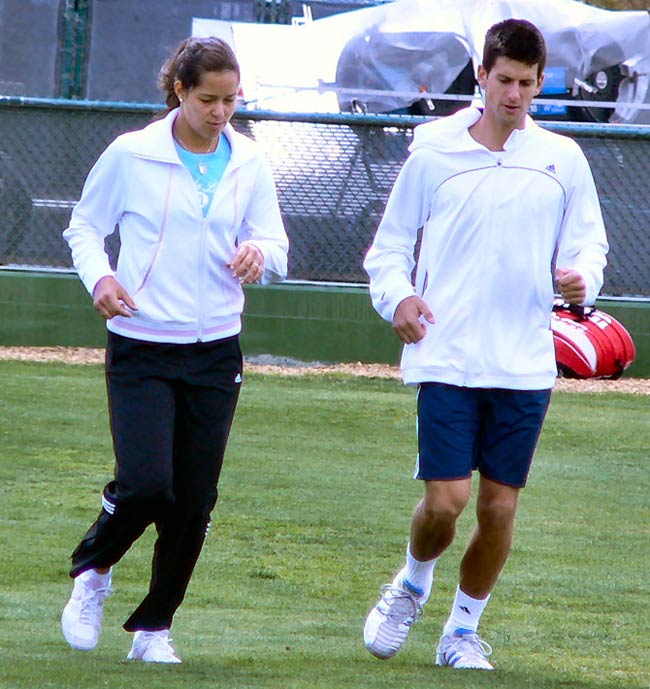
{"x": 551, "y": 168}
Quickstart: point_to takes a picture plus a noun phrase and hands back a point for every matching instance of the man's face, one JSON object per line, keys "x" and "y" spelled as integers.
{"x": 509, "y": 88}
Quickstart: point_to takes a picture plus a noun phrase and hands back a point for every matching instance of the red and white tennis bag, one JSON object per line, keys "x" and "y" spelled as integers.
{"x": 589, "y": 343}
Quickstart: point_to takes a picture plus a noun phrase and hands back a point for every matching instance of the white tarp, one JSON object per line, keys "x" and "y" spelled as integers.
{"x": 390, "y": 56}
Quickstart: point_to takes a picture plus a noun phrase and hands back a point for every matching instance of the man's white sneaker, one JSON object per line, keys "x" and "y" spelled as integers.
{"x": 390, "y": 621}
{"x": 464, "y": 650}
{"x": 153, "y": 647}
{"x": 81, "y": 620}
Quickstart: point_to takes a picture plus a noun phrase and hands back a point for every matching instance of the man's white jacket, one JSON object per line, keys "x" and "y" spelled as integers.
{"x": 172, "y": 260}
{"x": 494, "y": 226}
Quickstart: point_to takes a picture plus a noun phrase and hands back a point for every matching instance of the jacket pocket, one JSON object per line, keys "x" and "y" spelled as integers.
{"x": 425, "y": 283}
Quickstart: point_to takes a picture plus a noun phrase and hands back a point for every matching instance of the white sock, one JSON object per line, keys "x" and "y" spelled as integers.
{"x": 95, "y": 579}
{"x": 418, "y": 575}
{"x": 465, "y": 613}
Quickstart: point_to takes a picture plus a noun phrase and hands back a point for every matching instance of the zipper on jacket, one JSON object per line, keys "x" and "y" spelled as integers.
{"x": 200, "y": 303}
{"x": 201, "y": 280}
{"x": 480, "y": 308}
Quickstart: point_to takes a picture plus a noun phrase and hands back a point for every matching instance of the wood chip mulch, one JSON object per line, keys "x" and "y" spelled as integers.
{"x": 83, "y": 355}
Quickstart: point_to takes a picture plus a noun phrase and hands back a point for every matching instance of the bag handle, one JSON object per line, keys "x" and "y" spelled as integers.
{"x": 582, "y": 312}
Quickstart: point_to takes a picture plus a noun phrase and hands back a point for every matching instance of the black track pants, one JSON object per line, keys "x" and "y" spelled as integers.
{"x": 171, "y": 410}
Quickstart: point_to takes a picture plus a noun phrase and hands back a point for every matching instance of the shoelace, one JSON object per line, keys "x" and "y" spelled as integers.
{"x": 403, "y": 608}
{"x": 469, "y": 645}
{"x": 162, "y": 645}
{"x": 92, "y": 601}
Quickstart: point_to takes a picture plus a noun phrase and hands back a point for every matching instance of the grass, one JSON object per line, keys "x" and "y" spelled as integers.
{"x": 316, "y": 499}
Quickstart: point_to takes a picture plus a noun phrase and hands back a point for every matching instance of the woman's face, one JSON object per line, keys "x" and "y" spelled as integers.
{"x": 207, "y": 107}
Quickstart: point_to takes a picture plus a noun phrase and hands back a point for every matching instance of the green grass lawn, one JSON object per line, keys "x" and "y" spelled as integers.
{"x": 315, "y": 506}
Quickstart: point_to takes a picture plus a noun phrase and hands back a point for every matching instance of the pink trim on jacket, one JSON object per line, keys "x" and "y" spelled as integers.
{"x": 122, "y": 324}
{"x": 163, "y": 225}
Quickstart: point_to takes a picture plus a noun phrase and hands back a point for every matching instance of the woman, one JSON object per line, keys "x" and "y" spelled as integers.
{"x": 198, "y": 217}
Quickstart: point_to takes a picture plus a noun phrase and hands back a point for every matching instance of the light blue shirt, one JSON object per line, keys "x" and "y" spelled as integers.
{"x": 206, "y": 169}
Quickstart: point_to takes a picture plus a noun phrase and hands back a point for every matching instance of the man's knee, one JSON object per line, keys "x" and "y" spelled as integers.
{"x": 444, "y": 501}
{"x": 497, "y": 511}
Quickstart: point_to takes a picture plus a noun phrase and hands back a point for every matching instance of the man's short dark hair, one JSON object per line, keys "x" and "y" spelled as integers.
{"x": 515, "y": 39}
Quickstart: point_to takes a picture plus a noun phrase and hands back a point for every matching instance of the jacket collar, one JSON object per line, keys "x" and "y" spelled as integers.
{"x": 156, "y": 142}
{"x": 451, "y": 134}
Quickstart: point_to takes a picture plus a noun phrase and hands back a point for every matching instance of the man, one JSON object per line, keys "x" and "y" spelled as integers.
{"x": 505, "y": 208}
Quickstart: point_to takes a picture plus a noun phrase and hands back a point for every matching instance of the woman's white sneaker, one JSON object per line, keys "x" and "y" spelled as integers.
{"x": 153, "y": 647}
{"x": 81, "y": 620}
{"x": 464, "y": 650}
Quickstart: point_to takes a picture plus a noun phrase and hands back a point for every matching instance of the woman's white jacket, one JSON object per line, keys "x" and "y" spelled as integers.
{"x": 494, "y": 226}
{"x": 173, "y": 261}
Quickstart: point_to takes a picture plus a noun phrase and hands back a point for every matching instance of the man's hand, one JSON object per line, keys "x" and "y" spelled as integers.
{"x": 111, "y": 299}
{"x": 407, "y": 320}
{"x": 571, "y": 285}
{"x": 248, "y": 264}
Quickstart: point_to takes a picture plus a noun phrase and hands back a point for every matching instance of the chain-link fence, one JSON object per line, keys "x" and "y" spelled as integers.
{"x": 333, "y": 174}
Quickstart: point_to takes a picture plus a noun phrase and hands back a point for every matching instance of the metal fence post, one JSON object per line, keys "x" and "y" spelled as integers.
{"x": 273, "y": 12}
{"x": 74, "y": 37}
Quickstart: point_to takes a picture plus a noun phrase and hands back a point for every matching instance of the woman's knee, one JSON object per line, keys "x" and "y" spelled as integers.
{"x": 153, "y": 493}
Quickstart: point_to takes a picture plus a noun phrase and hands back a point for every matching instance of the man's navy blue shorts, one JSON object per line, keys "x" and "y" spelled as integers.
{"x": 489, "y": 429}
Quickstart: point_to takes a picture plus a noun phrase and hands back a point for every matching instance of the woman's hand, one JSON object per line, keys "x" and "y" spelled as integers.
{"x": 111, "y": 299}
{"x": 248, "y": 264}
